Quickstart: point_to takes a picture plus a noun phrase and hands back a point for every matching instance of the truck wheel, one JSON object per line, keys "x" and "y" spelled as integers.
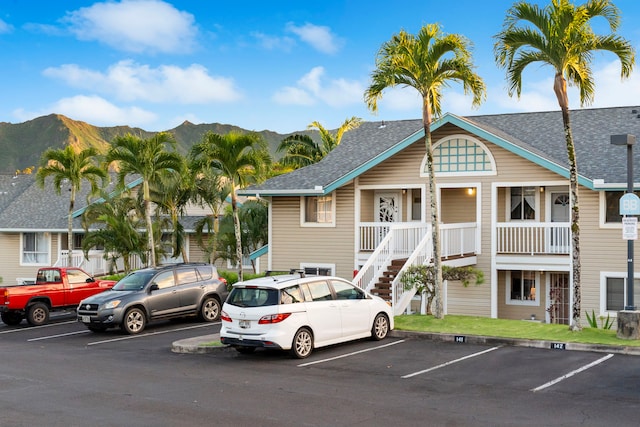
{"x": 12, "y": 318}
{"x": 133, "y": 321}
{"x": 38, "y": 314}
{"x": 210, "y": 310}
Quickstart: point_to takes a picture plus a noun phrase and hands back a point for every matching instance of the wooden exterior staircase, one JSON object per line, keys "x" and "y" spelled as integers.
{"x": 384, "y": 285}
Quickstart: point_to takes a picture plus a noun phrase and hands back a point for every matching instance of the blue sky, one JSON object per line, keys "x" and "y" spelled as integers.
{"x": 276, "y": 65}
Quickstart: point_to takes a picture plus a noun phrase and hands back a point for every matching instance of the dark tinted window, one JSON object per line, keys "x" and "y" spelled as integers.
{"x": 253, "y": 297}
{"x": 346, "y": 291}
{"x": 134, "y": 281}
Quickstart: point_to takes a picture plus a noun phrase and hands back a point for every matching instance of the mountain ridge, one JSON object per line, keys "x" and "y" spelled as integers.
{"x": 22, "y": 144}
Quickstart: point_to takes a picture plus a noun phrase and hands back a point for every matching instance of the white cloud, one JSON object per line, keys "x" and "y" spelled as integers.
{"x": 274, "y": 43}
{"x": 313, "y": 88}
{"x": 94, "y": 110}
{"x": 129, "y": 81}
{"x": 135, "y": 26}
{"x": 4, "y": 27}
{"x": 319, "y": 37}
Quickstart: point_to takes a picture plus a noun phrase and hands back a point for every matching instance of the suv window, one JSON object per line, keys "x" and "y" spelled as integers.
{"x": 206, "y": 272}
{"x": 253, "y": 297}
{"x": 164, "y": 280}
{"x": 186, "y": 275}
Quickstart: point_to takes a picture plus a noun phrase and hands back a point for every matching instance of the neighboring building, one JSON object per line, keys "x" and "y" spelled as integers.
{"x": 34, "y": 226}
{"x": 503, "y": 194}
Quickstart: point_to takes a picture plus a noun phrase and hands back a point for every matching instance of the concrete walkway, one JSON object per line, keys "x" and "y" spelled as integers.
{"x": 207, "y": 343}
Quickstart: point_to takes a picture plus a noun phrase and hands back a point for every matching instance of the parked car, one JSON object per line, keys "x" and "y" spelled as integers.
{"x": 172, "y": 291}
{"x": 55, "y": 289}
{"x": 297, "y": 313}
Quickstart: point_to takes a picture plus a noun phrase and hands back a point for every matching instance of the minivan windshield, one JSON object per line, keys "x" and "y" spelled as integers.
{"x": 253, "y": 297}
{"x": 135, "y": 281}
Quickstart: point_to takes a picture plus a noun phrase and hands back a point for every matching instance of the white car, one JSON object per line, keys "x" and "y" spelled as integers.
{"x": 298, "y": 313}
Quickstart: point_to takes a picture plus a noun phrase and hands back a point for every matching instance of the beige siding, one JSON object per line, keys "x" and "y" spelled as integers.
{"x": 457, "y": 205}
{"x": 294, "y": 244}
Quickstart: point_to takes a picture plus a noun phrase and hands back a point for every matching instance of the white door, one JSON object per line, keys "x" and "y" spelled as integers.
{"x": 387, "y": 207}
{"x": 559, "y": 238}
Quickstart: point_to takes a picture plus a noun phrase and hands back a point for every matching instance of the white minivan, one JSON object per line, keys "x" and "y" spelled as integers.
{"x": 299, "y": 313}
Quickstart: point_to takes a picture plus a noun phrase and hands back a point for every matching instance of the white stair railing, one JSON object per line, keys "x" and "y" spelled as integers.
{"x": 401, "y": 297}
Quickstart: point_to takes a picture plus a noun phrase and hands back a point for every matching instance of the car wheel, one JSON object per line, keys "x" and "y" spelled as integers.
{"x": 243, "y": 349}
{"x": 97, "y": 329}
{"x": 12, "y": 318}
{"x": 380, "y": 327}
{"x": 210, "y": 310}
{"x": 38, "y": 314}
{"x": 302, "y": 345}
{"x": 134, "y": 321}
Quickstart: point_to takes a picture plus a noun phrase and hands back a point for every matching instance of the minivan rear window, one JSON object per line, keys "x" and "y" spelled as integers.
{"x": 253, "y": 297}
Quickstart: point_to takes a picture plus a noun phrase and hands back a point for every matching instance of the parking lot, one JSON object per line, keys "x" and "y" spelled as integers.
{"x": 62, "y": 374}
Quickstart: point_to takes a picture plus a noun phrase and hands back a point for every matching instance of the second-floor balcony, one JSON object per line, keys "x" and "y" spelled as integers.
{"x": 533, "y": 238}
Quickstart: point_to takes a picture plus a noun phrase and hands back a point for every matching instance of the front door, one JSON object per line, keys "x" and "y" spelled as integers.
{"x": 387, "y": 207}
{"x": 558, "y": 303}
{"x": 560, "y": 206}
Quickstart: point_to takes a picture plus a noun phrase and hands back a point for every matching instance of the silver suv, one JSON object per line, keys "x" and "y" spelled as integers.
{"x": 179, "y": 290}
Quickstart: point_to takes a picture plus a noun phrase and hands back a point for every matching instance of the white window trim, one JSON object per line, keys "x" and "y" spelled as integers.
{"x": 331, "y": 267}
{"x": 604, "y": 275}
{"x": 47, "y": 236}
{"x": 303, "y": 208}
{"x": 507, "y": 293}
{"x": 507, "y": 204}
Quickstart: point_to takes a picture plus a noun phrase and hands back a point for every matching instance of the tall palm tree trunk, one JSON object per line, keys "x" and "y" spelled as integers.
{"x": 435, "y": 220}
{"x": 72, "y": 200}
{"x": 236, "y": 226}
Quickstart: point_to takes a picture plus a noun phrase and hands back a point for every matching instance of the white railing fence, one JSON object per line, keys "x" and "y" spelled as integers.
{"x": 423, "y": 254}
{"x": 533, "y": 238}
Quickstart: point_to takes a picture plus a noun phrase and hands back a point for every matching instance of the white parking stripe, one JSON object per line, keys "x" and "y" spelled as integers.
{"x": 350, "y": 354}
{"x": 130, "y": 337}
{"x": 572, "y": 373}
{"x": 58, "y": 336}
{"x": 32, "y": 328}
{"x": 449, "y": 363}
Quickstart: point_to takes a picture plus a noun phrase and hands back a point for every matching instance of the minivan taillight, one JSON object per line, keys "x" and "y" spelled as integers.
{"x": 225, "y": 317}
{"x": 273, "y": 318}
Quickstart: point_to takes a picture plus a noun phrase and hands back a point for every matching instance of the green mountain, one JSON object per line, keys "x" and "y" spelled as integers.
{"x": 22, "y": 144}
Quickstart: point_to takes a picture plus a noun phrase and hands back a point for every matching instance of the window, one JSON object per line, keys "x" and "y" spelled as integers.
{"x": 35, "y": 248}
{"x": 318, "y": 210}
{"x": 186, "y": 275}
{"x": 460, "y": 154}
{"x": 612, "y": 209}
{"x": 346, "y": 291}
{"x": 523, "y": 203}
{"x": 164, "y": 280}
{"x": 292, "y": 295}
{"x": 319, "y": 291}
{"x": 522, "y": 287}
{"x": 77, "y": 276}
{"x": 616, "y": 292}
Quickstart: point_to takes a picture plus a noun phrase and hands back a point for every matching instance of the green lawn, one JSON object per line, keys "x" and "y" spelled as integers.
{"x": 482, "y": 326}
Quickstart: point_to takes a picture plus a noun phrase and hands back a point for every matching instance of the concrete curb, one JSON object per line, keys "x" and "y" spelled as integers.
{"x": 202, "y": 344}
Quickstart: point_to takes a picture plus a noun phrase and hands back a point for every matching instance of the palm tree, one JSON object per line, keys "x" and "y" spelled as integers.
{"x": 302, "y": 150}
{"x": 241, "y": 159}
{"x": 171, "y": 193}
{"x": 560, "y": 35}
{"x": 118, "y": 218}
{"x": 147, "y": 158}
{"x": 68, "y": 167}
{"x": 212, "y": 192}
{"x": 427, "y": 62}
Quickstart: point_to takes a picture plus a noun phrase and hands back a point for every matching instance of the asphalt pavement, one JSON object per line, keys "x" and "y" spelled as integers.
{"x": 211, "y": 343}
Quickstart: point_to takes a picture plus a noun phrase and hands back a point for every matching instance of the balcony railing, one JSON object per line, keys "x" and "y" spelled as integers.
{"x": 455, "y": 239}
{"x": 533, "y": 238}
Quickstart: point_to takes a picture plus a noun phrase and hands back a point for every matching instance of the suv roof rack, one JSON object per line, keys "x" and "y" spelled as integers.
{"x": 299, "y": 271}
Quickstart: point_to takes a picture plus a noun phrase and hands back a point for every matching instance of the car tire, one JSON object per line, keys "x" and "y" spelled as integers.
{"x": 302, "y": 344}
{"x": 133, "y": 321}
{"x": 38, "y": 314}
{"x": 244, "y": 349}
{"x": 12, "y": 318}
{"x": 380, "y": 327}
{"x": 210, "y": 310}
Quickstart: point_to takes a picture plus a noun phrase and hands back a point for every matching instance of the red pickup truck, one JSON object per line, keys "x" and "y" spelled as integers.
{"x": 56, "y": 288}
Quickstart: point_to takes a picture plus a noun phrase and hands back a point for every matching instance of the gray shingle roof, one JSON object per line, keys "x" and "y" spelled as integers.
{"x": 539, "y": 133}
